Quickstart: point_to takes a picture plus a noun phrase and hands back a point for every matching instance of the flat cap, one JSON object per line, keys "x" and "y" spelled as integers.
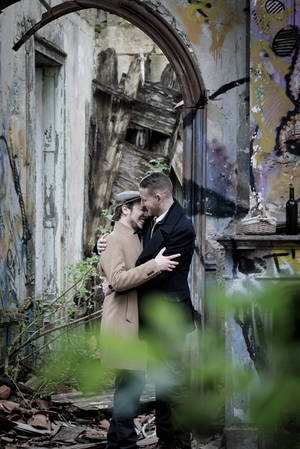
{"x": 126, "y": 197}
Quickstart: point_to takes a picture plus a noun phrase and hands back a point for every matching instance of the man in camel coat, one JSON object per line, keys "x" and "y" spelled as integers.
{"x": 120, "y": 310}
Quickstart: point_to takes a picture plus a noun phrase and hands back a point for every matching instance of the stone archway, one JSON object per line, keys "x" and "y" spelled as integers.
{"x": 152, "y": 24}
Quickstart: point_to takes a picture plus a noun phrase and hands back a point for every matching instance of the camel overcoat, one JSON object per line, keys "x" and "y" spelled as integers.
{"x": 120, "y": 309}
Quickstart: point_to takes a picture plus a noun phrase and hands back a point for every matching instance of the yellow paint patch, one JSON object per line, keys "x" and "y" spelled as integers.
{"x": 220, "y": 22}
{"x": 218, "y": 37}
{"x": 293, "y": 263}
{"x": 210, "y": 12}
{"x": 192, "y": 28}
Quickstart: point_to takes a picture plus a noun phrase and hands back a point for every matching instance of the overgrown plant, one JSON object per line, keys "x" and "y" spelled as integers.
{"x": 73, "y": 307}
{"x": 104, "y": 228}
{"x": 158, "y": 164}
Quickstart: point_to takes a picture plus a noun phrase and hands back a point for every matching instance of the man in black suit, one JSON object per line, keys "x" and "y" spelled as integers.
{"x": 170, "y": 228}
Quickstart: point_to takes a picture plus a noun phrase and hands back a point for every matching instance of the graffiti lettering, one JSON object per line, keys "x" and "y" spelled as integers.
{"x": 275, "y": 257}
{"x": 201, "y": 10}
{"x": 228, "y": 86}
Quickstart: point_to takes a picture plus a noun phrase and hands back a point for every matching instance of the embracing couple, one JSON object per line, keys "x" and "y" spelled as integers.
{"x": 149, "y": 251}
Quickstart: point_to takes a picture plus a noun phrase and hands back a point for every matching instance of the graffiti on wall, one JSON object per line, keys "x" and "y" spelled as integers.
{"x": 197, "y": 14}
{"x": 275, "y": 98}
{"x": 287, "y": 262}
{"x": 14, "y": 232}
{"x": 276, "y": 262}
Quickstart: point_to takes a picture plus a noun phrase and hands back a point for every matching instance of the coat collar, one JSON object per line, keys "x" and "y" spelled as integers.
{"x": 173, "y": 215}
{"x": 123, "y": 229}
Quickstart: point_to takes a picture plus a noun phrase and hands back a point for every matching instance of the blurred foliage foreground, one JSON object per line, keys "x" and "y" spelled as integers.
{"x": 208, "y": 373}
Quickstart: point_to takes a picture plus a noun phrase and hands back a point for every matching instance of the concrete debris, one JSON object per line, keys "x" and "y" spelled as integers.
{"x": 8, "y": 406}
{"x": 74, "y": 421}
{"x": 4, "y": 392}
{"x": 40, "y": 421}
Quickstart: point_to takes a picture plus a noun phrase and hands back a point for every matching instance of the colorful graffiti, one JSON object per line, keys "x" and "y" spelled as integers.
{"x": 275, "y": 99}
{"x": 199, "y": 13}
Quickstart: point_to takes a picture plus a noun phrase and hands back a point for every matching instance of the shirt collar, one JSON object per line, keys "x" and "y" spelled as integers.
{"x": 161, "y": 217}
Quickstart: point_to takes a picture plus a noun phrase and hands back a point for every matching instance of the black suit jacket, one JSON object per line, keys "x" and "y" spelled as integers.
{"x": 176, "y": 233}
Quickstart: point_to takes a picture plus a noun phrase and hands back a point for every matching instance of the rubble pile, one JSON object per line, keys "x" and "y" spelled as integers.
{"x": 70, "y": 420}
{"x": 67, "y": 420}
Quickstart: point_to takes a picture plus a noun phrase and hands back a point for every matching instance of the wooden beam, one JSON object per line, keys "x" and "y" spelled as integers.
{"x": 100, "y": 88}
{"x": 156, "y": 119}
{"x": 153, "y": 108}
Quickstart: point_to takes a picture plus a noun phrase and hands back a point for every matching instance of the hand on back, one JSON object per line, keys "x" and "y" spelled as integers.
{"x": 166, "y": 263}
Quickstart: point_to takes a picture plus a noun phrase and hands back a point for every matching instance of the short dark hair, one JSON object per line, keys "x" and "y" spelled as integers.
{"x": 118, "y": 211}
{"x": 157, "y": 182}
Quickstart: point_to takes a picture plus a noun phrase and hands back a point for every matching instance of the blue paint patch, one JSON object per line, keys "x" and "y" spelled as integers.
{"x": 2, "y": 168}
{"x": 23, "y": 251}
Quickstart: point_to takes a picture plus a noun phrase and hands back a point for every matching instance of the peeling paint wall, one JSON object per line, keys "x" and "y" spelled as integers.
{"x": 45, "y": 103}
{"x": 275, "y": 95}
{"x": 14, "y": 227}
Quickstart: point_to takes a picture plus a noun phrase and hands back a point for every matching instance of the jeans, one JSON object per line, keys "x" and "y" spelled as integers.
{"x": 128, "y": 389}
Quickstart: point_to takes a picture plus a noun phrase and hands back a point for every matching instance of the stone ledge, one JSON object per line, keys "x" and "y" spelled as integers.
{"x": 251, "y": 241}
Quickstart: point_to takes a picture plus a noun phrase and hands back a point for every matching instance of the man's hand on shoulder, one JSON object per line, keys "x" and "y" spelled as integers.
{"x": 102, "y": 244}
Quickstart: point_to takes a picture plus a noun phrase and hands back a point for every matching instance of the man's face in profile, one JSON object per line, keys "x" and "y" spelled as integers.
{"x": 150, "y": 202}
{"x": 137, "y": 215}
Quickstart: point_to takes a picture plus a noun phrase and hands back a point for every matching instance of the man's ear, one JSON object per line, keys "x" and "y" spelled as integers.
{"x": 124, "y": 209}
{"x": 158, "y": 196}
